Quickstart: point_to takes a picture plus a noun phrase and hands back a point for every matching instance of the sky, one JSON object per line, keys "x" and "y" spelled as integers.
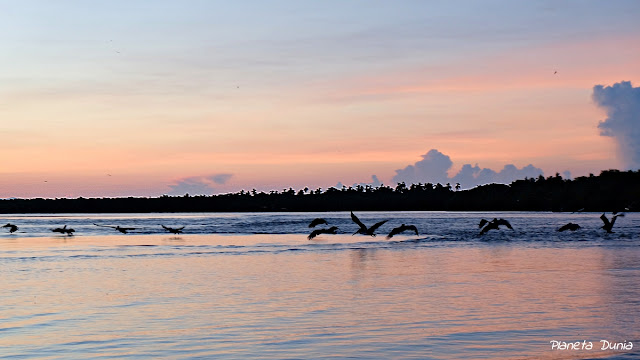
{"x": 145, "y": 98}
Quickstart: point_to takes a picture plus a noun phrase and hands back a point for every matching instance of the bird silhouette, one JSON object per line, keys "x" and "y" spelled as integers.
{"x": 401, "y": 228}
{"x": 64, "y": 230}
{"x": 314, "y": 233}
{"x": 363, "y": 229}
{"x": 118, "y": 228}
{"x": 12, "y": 228}
{"x": 173, "y": 230}
{"x": 317, "y": 221}
{"x": 493, "y": 225}
{"x": 569, "y": 226}
{"x": 608, "y": 225}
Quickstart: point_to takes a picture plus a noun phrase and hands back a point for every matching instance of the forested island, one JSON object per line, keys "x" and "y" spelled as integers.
{"x": 612, "y": 190}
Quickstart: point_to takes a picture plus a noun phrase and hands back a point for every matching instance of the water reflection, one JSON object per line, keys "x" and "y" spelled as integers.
{"x": 171, "y": 298}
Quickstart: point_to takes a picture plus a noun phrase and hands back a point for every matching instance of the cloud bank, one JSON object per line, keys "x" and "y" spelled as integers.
{"x": 434, "y": 166}
{"x": 198, "y": 185}
{"x": 375, "y": 182}
{"x": 622, "y": 104}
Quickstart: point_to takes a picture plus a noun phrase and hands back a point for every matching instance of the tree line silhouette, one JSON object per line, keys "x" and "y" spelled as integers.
{"x": 612, "y": 190}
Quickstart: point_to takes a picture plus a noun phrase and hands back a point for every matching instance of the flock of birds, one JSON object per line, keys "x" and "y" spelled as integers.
{"x": 484, "y": 225}
{"x": 69, "y": 231}
{"x": 364, "y": 230}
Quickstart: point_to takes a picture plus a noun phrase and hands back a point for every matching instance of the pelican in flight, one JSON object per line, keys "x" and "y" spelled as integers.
{"x": 173, "y": 230}
{"x": 317, "y": 221}
{"x": 569, "y": 226}
{"x": 118, "y": 228}
{"x": 12, "y": 228}
{"x": 64, "y": 230}
{"x": 402, "y": 228}
{"x": 608, "y": 225}
{"x": 493, "y": 225}
{"x": 363, "y": 229}
{"x": 314, "y": 233}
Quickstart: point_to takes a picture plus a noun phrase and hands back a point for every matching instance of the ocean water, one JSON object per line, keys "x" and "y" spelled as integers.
{"x": 251, "y": 286}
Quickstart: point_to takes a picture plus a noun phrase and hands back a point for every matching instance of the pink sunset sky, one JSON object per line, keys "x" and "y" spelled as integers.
{"x": 144, "y": 98}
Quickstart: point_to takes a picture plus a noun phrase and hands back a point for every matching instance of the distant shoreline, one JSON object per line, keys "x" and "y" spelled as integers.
{"x": 612, "y": 190}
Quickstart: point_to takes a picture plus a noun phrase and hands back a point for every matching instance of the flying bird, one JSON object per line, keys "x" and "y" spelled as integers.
{"x": 569, "y": 226}
{"x": 493, "y": 225}
{"x": 314, "y": 233}
{"x": 118, "y": 228}
{"x": 608, "y": 225}
{"x": 173, "y": 230}
{"x": 64, "y": 230}
{"x": 12, "y": 228}
{"x": 402, "y": 228}
{"x": 317, "y": 221}
{"x": 363, "y": 229}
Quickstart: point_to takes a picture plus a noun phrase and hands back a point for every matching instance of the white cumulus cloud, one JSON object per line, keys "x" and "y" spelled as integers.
{"x": 621, "y": 101}
{"x": 434, "y": 166}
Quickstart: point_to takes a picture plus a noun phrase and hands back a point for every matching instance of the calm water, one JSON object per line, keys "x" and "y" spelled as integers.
{"x": 252, "y": 286}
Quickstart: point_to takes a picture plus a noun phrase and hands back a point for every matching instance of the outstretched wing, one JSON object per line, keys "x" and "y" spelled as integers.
{"x": 113, "y": 227}
{"x": 357, "y": 221}
{"x": 490, "y": 225}
{"x": 402, "y": 228}
{"x": 314, "y": 233}
{"x": 606, "y": 221}
{"x": 373, "y": 228}
{"x": 12, "y": 228}
{"x": 173, "y": 230}
{"x": 482, "y": 223}
{"x": 317, "y": 221}
{"x": 564, "y": 227}
{"x": 614, "y": 217}
{"x": 505, "y": 223}
{"x": 413, "y": 228}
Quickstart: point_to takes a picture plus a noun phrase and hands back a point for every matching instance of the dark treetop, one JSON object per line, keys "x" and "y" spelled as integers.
{"x": 612, "y": 190}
